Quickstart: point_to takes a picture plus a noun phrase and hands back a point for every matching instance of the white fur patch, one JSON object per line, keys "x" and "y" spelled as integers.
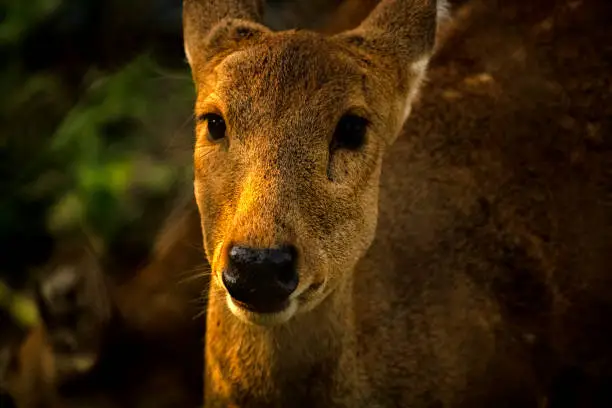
{"x": 262, "y": 319}
{"x": 443, "y": 11}
{"x": 420, "y": 66}
{"x": 187, "y": 54}
{"x": 418, "y": 69}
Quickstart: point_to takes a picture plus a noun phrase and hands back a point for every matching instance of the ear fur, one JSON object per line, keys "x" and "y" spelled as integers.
{"x": 405, "y": 29}
{"x": 231, "y": 34}
{"x": 212, "y": 26}
{"x": 403, "y": 32}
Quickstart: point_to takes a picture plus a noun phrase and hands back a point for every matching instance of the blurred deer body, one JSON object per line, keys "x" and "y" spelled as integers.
{"x": 138, "y": 344}
{"x": 469, "y": 268}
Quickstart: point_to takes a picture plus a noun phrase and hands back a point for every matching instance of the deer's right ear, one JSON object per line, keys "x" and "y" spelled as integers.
{"x": 213, "y": 26}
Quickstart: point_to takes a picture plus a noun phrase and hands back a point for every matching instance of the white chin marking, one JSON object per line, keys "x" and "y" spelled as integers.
{"x": 262, "y": 319}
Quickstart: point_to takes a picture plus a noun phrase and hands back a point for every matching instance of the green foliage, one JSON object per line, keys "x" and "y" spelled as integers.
{"x": 22, "y": 308}
{"x": 21, "y": 15}
{"x": 89, "y": 154}
{"x": 100, "y": 141}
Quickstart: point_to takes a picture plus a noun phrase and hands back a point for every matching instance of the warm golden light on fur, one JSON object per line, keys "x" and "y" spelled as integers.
{"x": 458, "y": 260}
{"x": 429, "y": 245}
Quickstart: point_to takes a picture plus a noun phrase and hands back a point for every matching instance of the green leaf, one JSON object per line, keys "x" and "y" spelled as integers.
{"x": 67, "y": 213}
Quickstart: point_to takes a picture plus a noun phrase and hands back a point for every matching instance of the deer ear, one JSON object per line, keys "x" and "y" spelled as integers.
{"x": 213, "y": 26}
{"x": 404, "y": 29}
{"x": 402, "y": 33}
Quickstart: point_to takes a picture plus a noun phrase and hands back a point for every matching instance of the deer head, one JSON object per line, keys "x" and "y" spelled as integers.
{"x": 291, "y": 129}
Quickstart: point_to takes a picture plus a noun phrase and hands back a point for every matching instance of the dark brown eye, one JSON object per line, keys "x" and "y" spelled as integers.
{"x": 215, "y": 125}
{"x": 350, "y": 133}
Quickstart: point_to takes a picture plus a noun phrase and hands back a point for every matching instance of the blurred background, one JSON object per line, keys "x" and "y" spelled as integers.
{"x": 95, "y": 130}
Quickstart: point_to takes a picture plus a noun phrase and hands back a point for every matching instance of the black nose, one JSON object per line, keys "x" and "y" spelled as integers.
{"x": 261, "y": 279}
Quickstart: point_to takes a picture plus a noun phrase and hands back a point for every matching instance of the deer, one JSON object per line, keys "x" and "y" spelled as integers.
{"x": 107, "y": 339}
{"x": 102, "y": 343}
{"x": 412, "y": 212}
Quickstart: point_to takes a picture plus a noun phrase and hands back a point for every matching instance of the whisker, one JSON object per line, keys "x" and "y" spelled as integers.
{"x": 206, "y": 298}
{"x": 195, "y": 269}
{"x": 173, "y": 136}
{"x": 194, "y": 278}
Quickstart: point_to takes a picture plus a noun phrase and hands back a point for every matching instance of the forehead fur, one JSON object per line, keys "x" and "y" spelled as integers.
{"x": 285, "y": 71}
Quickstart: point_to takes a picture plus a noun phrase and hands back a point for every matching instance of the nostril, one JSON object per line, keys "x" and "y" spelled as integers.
{"x": 230, "y": 277}
{"x": 241, "y": 255}
{"x": 282, "y": 256}
{"x": 288, "y": 277}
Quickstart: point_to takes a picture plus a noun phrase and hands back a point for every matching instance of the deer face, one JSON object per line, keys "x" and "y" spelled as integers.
{"x": 291, "y": 131}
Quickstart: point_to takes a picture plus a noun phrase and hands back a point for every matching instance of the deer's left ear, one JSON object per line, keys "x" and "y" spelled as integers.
{"x": 403, "y": 33}
{"x": 405, "y": 29}
{"x": 213, "y": 26}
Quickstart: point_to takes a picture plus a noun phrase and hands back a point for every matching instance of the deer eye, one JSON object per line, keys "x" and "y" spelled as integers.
{"x": 216, "y": 126}
{"x": 350, "y": 132}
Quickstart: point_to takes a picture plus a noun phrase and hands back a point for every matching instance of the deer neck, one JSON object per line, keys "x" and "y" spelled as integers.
{"x": 308, "y": 361}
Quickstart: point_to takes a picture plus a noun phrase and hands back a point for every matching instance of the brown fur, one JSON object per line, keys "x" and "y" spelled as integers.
{"x": 487, "y": 282}
{"x": 146, "y": 353}
{"x": 150, "y": 314}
